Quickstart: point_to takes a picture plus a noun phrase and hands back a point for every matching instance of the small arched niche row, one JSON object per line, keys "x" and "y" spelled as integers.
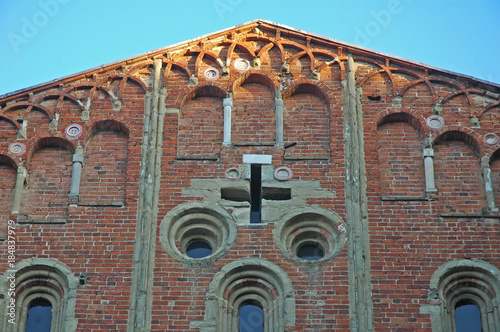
{"x": 464, "y": 296}
{"x": 457, "y": 170}
{"x": 8, "y": 175}
{"x": 45, "y": 197}
{"x": 44, "y": 288}
{"x": 201, "y": 123}
{"x": 400, "y": 155}
{"x": 252, "y": 284}
{"x": 197, "y": 232}
{"x": 104, "y": 174}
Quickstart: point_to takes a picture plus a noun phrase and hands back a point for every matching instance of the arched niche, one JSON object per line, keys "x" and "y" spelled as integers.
{"x": 253, "y": 114}
{"x": 306, "y": 123}
{"x": 400, "y": 155}
{"x": 49, "y": 166}
{"x": 457, "y": 172}
{"x": 201, "y": 123}
{"x": 104, "y": 173}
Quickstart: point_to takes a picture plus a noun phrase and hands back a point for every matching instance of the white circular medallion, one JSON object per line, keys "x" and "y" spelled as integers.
{"x": 283, "y": 173}
{"x": 435, "y": 121}
{"x": 73, "y": 130}
{"x": 211, "y": 73}
{"x": 233, "y": 173}
{"x": 17, "y": 149}
{"x": 241, "y": 64}
{"x": 491, "y": 139}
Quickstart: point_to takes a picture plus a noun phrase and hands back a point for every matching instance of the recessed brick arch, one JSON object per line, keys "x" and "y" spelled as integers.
{"x": 110, "y": 123}
{"x": 269, "y": 80}
{"x": 211, "y": 89}
{"x": 46, "y": 139}
{"x": 49, "y": 166}
{"x": 401, "y": 114}
{"x": 457, "y": 167}
{"x": 308, "y": 103}
{"x": 104, "y": 175}
{"x": 464, "y": 134}
{"x": 400, "y": 134}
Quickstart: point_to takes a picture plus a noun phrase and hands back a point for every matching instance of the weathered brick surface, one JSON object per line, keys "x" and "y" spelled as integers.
{"x": 410, "y": 233}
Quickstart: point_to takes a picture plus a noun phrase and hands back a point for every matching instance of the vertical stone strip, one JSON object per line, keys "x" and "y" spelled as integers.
{"x": 228, "y": 105}
{"x": 141, "y": 299}
{"x": 18, "y": 193}
{"x": 490, "y": 195}
{"x": 279, "y": 118}
{"x": 360, "y": 291}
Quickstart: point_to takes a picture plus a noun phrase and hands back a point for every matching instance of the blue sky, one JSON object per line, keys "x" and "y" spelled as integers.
{"x": 46, "y": 39}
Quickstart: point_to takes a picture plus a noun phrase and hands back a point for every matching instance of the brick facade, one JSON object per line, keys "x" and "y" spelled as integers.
{"x": 149, "y": 135}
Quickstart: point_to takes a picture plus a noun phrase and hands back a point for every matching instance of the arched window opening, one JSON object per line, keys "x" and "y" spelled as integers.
{"x": 45, "y": 293}
{"x": 310, "y": 251}
{"x": 467, "y": 317}
{"x": 198, "y": 248}
{"x": 39, "y": 316}
{"x": 463, "y": 296}
{"x": 251, "y": 318}
{"x": 249, "y": 295}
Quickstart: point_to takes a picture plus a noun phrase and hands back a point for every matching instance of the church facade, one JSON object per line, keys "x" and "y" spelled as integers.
{"x": 260, "y": 178}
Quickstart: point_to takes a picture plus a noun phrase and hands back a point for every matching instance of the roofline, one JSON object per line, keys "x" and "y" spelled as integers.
{"x": 256, "y": 21}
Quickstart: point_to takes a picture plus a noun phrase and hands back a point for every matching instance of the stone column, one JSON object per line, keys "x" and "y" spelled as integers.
{"x": 430, "y": 187}
{"x": 486, "y": 172}
{"x": 77, "y": 173}
{"x": 228, "y": 104}
{"x": 18, "y": 193}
